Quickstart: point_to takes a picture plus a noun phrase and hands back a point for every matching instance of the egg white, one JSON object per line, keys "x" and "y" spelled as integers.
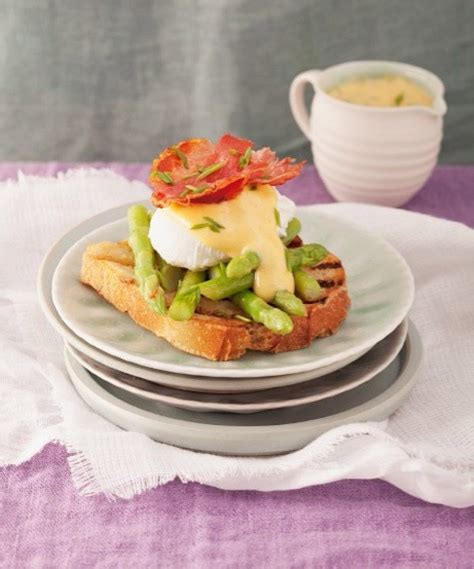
{"x": 179, "y": 246}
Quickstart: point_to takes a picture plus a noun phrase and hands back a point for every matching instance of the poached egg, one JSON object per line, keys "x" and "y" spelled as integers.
{"x": 248, "y": 222}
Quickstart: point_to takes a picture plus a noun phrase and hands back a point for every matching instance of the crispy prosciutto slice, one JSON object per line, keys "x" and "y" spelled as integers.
{"x": 198, "y": 171}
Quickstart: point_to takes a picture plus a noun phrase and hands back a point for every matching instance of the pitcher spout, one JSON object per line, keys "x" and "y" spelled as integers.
{"x": 439, "y": 106}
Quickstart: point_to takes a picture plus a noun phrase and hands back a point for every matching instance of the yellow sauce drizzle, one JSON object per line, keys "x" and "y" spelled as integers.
{"x": 248, "y": 225}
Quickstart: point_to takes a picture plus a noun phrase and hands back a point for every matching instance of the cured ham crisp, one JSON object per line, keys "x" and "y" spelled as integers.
{"x": 199, "y": 171}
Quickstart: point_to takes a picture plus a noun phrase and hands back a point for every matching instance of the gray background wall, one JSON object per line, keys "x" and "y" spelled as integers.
{"x": 118, "y": 80}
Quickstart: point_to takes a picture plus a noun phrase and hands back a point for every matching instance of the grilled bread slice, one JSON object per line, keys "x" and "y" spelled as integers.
{"x": 214, "y": 332}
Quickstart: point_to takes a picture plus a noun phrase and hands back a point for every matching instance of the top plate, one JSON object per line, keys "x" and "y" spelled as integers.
{"x": 379, "y": 280}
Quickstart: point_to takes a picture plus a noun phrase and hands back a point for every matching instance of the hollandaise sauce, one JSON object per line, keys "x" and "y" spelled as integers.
{"x": 384, "y": 91}
{"x": 245, "y": 223}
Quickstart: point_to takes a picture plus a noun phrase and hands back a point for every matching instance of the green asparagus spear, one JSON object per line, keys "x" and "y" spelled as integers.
{"x": 191, "y": 279}
{"x": 217, "y": 270}
{"x": 145, "y": 271}
{"x": 305, "y": 256}
{"x": 313, "y": 254}
{"x": 187, "y": 297}
{"x": 289, "y": 303}
{"x": 292, "y": 230}
{"x": 184, "y": 304}
{"x": 272, "y": 318}
{"x": 242, "y": 265}
{"x": 306, "y": 286}
{"x": 138, "y": 217}
{"x": 222, "y": 287}
{"x": 294, "y": 258}
{"x": 169, "y": 276}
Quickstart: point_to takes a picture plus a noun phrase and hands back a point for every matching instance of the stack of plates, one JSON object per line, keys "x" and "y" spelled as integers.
{"x": 262, "y": 403}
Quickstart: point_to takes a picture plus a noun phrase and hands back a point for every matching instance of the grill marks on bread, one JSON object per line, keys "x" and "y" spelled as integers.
{"x": 329, "y": 273}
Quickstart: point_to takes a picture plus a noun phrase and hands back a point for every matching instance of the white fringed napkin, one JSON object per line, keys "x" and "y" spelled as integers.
{"x": 426, "y": 448}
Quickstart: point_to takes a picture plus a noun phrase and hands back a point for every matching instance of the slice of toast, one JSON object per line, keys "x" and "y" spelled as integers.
{"x": 214, "y": 332}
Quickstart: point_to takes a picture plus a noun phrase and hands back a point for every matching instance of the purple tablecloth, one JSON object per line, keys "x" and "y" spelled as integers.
{"x": 44, "y": 523}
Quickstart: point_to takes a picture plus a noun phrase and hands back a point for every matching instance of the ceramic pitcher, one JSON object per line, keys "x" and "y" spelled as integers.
{"x": 380, "y": 155}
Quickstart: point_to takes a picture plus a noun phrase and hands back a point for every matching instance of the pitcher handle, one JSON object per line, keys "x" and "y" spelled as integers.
{"x": 297, "y": 104}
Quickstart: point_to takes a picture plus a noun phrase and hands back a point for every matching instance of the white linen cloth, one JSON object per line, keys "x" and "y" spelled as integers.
{"x": 426, "y": 448}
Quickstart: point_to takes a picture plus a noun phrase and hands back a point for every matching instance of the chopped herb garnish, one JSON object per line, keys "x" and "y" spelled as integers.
{"x": 242, "y": 318}
{"x": 277, "y": 216}
{"x": 245, "y": 158}
{"x": 191, "y": 175}
{"x": 214, "y": 222}
{"x": 205, "y": 172}
{"x": 196, "y": 189}
{"x": 399, "y": 99}
{"x": 210, "y": 223}
{"x": 213, "y": 228}
{"x": 204, "y": 226}
{"x": 189, "y": 189}
{"x": 165, "y": 177}
{"x": 181, "y": 155}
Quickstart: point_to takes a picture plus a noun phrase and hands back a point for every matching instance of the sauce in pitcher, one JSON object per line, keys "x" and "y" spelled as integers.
{"x": 383, "y": 91}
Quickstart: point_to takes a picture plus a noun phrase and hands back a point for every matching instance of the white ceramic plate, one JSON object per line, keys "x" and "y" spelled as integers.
{"x": 204, "y": 384}
{"x": 380, "y": 285}
{"x": 268, "y": 432}
{"x": 211, "y": 384}
{"x": 348, "y": 377}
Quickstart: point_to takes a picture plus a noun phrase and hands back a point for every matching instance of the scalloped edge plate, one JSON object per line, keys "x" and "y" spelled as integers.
{"x": 348, "y": 377}
{"x": 381, "y": 299}
{"x": 265, "y": 433}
